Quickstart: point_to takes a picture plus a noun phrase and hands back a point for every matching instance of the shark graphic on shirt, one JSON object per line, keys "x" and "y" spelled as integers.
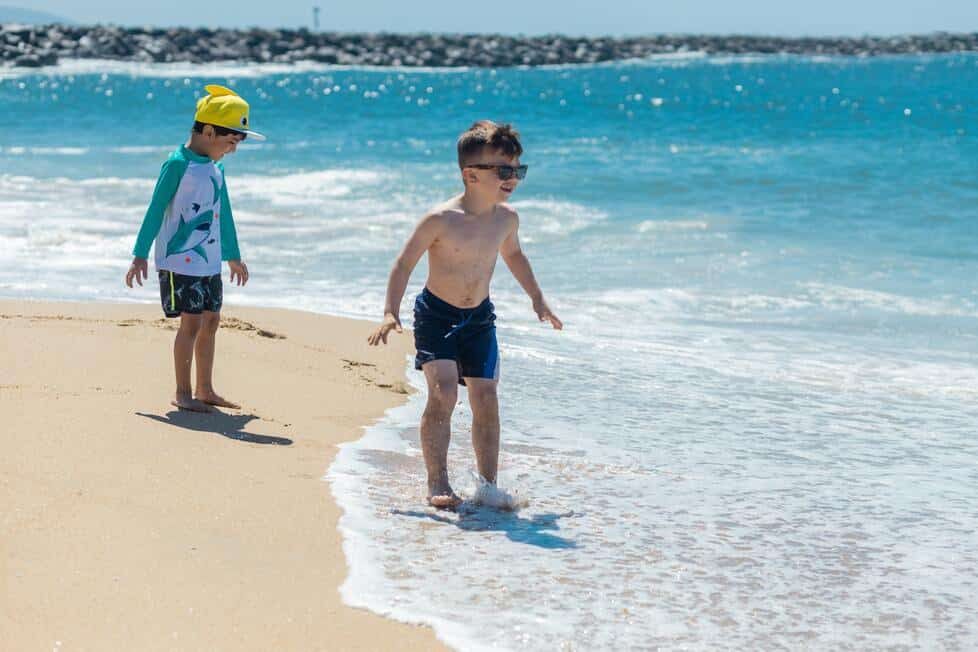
{"x": 191, "y": 235}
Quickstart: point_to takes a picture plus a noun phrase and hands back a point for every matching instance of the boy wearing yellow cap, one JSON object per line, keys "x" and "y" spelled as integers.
{"x": 189, "y": 217}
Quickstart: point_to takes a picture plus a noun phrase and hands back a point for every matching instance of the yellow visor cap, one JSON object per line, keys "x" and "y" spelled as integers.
{"x": 224, "y": 108}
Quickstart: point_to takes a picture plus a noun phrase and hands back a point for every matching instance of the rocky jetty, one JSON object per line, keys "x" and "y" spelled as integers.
{"x": 34, "y": 45}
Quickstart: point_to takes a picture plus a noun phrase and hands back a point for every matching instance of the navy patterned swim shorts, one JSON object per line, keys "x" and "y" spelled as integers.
{"x": 190, "y": 294}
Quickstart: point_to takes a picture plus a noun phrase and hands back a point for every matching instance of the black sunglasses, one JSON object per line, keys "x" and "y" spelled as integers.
{"x": 224, "y": 131}
{"x": 505, "y": 172}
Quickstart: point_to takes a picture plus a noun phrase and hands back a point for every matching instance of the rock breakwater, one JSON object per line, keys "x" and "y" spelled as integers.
{"x": 35, "y": 46}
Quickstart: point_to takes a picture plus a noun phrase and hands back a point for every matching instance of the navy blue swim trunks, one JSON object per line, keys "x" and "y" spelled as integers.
{"x": 193, "y": 295}
{"x": 465, "y": 335}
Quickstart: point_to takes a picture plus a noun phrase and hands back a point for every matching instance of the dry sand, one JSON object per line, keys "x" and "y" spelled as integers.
{"x": 128, "y": 525}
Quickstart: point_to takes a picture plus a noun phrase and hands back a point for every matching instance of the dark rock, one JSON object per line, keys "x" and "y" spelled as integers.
{"x": 36, "y": 60}
{"x": 324, "y": 54}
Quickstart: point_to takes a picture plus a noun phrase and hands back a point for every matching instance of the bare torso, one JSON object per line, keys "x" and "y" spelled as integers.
{"x": 463, "y": 256}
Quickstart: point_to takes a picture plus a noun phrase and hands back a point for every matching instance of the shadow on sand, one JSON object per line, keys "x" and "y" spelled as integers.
{"x": 219, "y": 423}
{"x": 474, "y": 518}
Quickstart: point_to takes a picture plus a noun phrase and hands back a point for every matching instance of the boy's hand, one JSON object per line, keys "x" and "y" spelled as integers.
{"x": 545, "y": 314}
{"x": 239, "y": 270}
{"x": 391, "y": 322}
{"x": 139, "y": 270}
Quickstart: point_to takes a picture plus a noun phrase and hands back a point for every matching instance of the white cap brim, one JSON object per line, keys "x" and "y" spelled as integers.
{"x": 252, "y": 134}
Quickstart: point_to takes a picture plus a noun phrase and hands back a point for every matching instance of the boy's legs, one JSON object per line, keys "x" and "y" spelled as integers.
{"x": 436, "y": 429}
{"x": 485, "y": 424}
{"x": 183, "y": 356}
{"x": 204, "y": 350}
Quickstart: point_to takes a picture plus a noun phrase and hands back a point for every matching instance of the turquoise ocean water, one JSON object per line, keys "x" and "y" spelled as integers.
{"x": 757, "y": 430}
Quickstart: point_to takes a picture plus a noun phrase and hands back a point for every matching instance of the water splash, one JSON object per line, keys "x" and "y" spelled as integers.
{"x": 487, "y": 494}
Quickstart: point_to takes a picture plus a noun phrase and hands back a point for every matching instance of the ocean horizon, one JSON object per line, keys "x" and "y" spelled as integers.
{"x": 756, "y": 430}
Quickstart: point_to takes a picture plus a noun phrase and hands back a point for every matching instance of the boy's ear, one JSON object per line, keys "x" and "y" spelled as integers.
{"x": 208, "y": 132}
{"x": 468, "y": 176}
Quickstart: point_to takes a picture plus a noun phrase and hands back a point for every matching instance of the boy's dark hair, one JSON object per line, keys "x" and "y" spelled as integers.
{"x": 488, "y": 134}
{"x": 220, "y": 131}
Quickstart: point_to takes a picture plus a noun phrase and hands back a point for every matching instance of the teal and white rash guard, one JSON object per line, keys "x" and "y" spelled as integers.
{"x": 189, "y": 217}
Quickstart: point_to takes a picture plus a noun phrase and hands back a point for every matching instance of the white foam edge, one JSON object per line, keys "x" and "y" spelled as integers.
{"x": 363, "y": 586}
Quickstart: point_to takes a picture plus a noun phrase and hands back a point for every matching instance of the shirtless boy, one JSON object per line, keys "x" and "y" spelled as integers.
{"x": 454, "y": 330}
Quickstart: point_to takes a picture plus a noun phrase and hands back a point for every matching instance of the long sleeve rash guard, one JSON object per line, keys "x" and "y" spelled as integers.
{"x": 189, "y": 217}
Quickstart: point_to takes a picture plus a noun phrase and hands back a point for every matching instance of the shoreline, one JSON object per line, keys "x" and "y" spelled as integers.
{"x": 137, "y": 526}
{"x": 46, "y": 45}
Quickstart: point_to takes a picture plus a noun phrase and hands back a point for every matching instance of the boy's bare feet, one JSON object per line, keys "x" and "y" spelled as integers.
{"x": 186, "y": 402}
{"x": 443, "y": 498}
{"x": 445, "y": 502}
{"x": 213, "y": 398}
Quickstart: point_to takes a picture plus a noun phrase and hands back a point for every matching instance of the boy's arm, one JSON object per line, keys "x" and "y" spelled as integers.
{"x": 229, "y": 236}
{"x": 166, "y": 186}
{"x": 423, "y": 237}
{"x": 519, "y": 265}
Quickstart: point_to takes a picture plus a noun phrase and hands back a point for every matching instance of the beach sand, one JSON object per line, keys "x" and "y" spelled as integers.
{"x": 128, "y": 525}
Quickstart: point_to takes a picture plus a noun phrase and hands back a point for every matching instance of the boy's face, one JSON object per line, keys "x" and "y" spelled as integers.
{"x": 484, "y": 174}
{"x": 218, "y": 146}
